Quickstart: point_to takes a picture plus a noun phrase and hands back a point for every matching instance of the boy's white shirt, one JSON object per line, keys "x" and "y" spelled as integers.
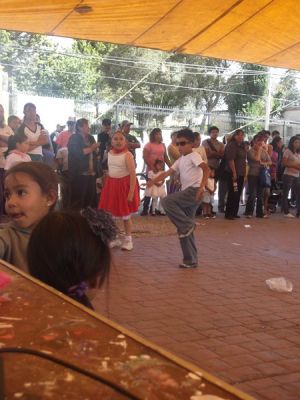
{"x": 201, "y": 150}
{"x": 188, "y": 167}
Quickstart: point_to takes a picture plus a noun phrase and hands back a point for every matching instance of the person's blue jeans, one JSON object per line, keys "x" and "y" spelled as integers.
{"x": 290, "y": 182}
{"x": 255, "y": 195}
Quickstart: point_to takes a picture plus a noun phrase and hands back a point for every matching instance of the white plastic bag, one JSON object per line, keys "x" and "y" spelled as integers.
{"x": 279, "y": 284}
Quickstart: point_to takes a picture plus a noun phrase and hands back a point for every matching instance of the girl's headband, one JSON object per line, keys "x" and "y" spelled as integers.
{"x": 101, "y": 224}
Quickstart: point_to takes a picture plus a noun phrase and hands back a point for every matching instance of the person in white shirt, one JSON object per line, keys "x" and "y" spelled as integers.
{"x": 18, "y": 146}
{"x": 34, "y": 131}
{"x": 158, "y": 191}
{"x": 181, "y": 206}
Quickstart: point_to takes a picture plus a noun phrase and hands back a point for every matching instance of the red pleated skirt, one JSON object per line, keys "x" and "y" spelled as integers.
{"x": 114, "y": 197}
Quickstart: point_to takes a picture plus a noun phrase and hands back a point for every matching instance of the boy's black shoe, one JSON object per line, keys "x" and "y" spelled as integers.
{"x": 183, "y": 265}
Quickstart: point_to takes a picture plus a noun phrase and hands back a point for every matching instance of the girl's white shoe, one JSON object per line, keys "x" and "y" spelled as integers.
{"x": 115, "y": 243}
{"x": 127, "y": 245}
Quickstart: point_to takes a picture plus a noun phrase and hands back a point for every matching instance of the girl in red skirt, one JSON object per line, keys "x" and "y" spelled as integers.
{"x": 120, "y": 194}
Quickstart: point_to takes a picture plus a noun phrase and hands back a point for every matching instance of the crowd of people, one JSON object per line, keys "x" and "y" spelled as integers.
{"x": 98, "y": 186}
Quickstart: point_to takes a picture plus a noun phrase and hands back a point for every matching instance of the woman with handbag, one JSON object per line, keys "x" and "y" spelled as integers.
{"x": 235, "y": 156}
{"x": 259, "y": 177}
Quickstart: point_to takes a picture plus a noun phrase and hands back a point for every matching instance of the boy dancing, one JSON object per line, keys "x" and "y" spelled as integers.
{"x": 181, "y": 206}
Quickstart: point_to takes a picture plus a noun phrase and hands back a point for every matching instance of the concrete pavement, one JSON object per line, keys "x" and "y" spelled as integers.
{"x": 221, "y": 316}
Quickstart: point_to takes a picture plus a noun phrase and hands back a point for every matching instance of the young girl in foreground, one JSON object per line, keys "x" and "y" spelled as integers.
{"x": 69, "y": 251}
{"x": 30, "y": 190}
{"x": 18, "y": 146}
{"x": 120, "y": 195}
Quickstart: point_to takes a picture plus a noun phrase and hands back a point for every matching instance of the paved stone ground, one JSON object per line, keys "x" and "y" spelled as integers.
{"x": 221, "y": 316}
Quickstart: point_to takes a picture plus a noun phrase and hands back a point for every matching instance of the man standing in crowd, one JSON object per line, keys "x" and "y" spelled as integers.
{"x": 103, "y": 138}
{"x": 54, "y": 135}
{"x": 132, "y": 141}
{"x": 215, "y": 152}
{"x": 64, "y": 136}
{"x": 82, "y": 164}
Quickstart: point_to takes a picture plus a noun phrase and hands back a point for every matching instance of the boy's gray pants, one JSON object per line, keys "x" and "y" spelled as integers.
{"x": 181, "y": 208}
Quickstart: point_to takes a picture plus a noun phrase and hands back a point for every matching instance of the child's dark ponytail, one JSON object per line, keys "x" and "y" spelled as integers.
{"x": 69, "y": 251}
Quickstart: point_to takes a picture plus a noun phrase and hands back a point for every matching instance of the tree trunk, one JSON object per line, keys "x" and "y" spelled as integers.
{"x": 203, "y": 122}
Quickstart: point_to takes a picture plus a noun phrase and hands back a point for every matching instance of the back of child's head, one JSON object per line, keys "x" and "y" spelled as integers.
{"x": 187, "y": 134}
{"x": 19, "y": 137}
{"x": 67, "y": 250}
{"x": 40, "y": 173}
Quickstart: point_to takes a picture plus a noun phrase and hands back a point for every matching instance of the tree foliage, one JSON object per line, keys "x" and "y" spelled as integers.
{"x": 35, "y": 65}
{"x": 249, "y": 85}
{"x": 287, "y": 92}
{"x": 100, "y": 71}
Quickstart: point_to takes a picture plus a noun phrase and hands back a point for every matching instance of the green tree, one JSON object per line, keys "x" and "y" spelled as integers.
{"x": 286, "y": 92}
{"x": 250, "y": 82}
{"x": 207, "y": 74}
{"x": 34, "y": 64}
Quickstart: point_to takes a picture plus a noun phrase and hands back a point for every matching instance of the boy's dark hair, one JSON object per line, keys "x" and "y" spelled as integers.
{"x": 64, "y": 252}
{"x": 41, "y": 173}
{"x": 153, "y": 133}
{"x": 186, "y": 133}
{"x": 213, "y": 128}
{"x": 19, "y": 137}
{"x": 291, "y": 143}
{"x": 196, "y": 135}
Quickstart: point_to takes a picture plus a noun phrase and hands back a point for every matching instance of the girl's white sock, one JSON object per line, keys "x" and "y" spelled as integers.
{"x": 128, "y": 238}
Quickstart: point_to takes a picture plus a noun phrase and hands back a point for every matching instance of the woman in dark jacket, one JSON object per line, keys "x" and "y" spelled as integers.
{"x": 235, "y": 156}
{"x": 82, "y": 162}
